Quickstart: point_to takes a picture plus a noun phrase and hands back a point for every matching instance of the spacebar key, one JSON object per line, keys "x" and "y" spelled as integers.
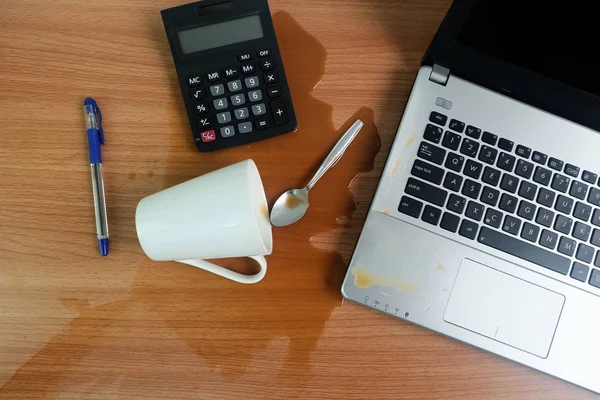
{"x": 526, "y": 251}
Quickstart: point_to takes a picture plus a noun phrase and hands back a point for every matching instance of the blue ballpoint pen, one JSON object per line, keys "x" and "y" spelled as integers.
{"x": 95, "y": 135}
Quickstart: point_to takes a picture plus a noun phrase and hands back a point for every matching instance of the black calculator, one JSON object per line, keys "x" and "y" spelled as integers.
{"x": 230, "y": 72}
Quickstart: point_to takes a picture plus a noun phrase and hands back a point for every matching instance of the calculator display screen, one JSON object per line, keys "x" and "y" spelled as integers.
{"x": 220, "y": 34}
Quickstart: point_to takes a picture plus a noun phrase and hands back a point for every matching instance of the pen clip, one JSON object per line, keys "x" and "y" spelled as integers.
{"x": 99, "y": 118}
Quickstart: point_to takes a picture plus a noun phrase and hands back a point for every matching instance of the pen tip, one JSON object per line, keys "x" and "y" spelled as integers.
{"x": 103, "y": 244}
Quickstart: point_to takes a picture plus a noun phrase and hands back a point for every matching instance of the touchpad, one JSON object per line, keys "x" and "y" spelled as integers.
{"x": 504, "y": 308}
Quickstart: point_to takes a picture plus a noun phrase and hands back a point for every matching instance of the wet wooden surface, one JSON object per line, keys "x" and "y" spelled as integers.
{"x": 76, "y": 326}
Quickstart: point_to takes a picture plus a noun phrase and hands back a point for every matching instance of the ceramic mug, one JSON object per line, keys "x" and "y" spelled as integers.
{"x": 218, "y": 215}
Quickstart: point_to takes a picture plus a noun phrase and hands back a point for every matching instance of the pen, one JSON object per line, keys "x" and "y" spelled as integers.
{"x": 95, "y": 134}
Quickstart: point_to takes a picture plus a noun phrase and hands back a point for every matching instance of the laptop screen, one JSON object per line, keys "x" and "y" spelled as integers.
{"x": 556, "y": 39}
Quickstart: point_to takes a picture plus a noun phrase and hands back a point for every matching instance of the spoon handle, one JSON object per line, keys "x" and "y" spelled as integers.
{"x": 337, "y": 152}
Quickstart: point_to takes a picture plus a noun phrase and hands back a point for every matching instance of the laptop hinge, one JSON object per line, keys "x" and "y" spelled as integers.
{"x": 439, "y": 74}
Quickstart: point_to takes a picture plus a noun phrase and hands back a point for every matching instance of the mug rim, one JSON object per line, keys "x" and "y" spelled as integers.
{"x": 259, "y": 203}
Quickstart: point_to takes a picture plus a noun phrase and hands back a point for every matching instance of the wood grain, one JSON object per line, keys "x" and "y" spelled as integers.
{"x": 75, "y": 326}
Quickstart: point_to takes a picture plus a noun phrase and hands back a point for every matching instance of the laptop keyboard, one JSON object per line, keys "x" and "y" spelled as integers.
{"x": 509, "y": 197}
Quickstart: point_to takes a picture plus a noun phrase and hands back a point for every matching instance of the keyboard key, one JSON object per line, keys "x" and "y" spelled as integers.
{"x": 548, "y": 239}
{"x": 585, "y": 253}
{"x": 473, "y": 169}
{"x": 450, "y": 222}
{"x": 596, "y": 217}
{"x": 432, "y": 133}
{"x": 582, "y": 211}
{"x": 579, "y": 190}
{"x": 456, "y": 203}
{"x": 511, "y": 225}
{"x": 582, "y": 231}
{"x": 488, "y": 154}
{"x": 457, "y": 125}
{"x": 539, "y": 158}
{"x": 545, "y": 217}
{"x": 509, "y": 183}
{"x": 431, "y": 153}
{"x": 555, "y": 164}
{"x": 542, "y": 176}
{"x": 474, "y": 211}
{"x": 453, "y": 181}
{"x": 566, "y": 246}
{"x": 594, "y": 197}
{"x": 425, "y": 191}
{"x": 454, "y": 162}
{"x": 410, "y": 207}
{"x": 274, "y": 91}
{"x": 491, "y": 176}
{"x": 431, "y": 215}
{"x": 560, "y": 183}
{"x": 469, "y": 147}
{"x": 563, "y": 224}
{"x": 468, "y": 229}
{"x": 589, "y": 177}
{"x": 262, "y": 124}
{"x": 527, "y": 190}
{"x": 471, "y": 189}
{"x": 451, "y": 140}
{"x": 564, "y": 204}
{"x": 426, "y": 171}
{"x": 523, "y": 151}
{"x": 251, "y": 82}
{"x": 489, "y": 138}
{"x": 572, "y": 170}
{"x": 597, "y": 261}
{"x": 493, "y": 218}
{"x": 595, "y": 240}
{"x": 524, "y": 250}
{"x": 473, "y": 132}
{"x": 490, "y": 196}
{"x": 505, "y": 144}
{"x": 526, "y": 210}
{"x": 580, "y": 271}
{"x": 546, "y": 197}
{"x": 508, "y": 203}
{"x": 524, "y": 168}
{"x": 595, "y": 278}
{"x": 506, "y": 162}
{"x": 530, "y": 232}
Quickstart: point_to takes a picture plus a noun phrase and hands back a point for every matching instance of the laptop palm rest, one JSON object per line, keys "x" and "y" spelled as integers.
{"x": 504, "y": 308}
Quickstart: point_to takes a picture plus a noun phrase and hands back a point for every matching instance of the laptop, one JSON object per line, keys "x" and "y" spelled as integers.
{"x": 485, "y": 225}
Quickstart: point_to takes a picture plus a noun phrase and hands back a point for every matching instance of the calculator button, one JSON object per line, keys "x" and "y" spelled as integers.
{"x": 231, "y": 72}
{"x": 234, "y": 86}
{"x": 227, "y": 131}
{"x": 261, "y": 124}
{"x": 245, "y": 127}
{"x": 248, "y": 69}
{"x": 279, "y": 111}
{"x": 214, "y": 76}
{"x": 241, "y": 113}
{"x": 259, "y": 109}
{"x": 271, "y": 77}
{"x": 255, "y": 95}
{"x": 220, "y": 104}
{"x": 238, "y": 99}
{"x": 194, "y": 81}
{"x": 204, "y": 122}
{"x": 251, "y": 82}
{"x": 267, "y": 65}
{"x": 264, "y": 53}
{"x": 274, "y": 91}
{"x": 245, "y": 57}
{"x": 217, "y": 90}
{"x": 224, "y": 117}
{"x": 200, "y": 108}
{"x": 198, "y": 94}
{"x": 208, "y": 136}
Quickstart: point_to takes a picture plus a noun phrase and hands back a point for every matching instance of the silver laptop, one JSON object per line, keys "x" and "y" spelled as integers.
{"x": 485, "y": 225}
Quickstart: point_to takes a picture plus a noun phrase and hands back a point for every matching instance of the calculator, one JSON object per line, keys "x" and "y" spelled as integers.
{"x": 230, "y": 72}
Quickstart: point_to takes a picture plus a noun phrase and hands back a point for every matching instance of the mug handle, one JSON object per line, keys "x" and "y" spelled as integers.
{"x": 226, "y": 273}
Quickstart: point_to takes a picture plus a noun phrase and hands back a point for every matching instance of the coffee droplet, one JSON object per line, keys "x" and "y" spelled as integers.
{"x": 292, "y": 202}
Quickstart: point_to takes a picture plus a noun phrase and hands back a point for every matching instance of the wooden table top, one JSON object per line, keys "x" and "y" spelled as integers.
{"x": 74, "y": 325}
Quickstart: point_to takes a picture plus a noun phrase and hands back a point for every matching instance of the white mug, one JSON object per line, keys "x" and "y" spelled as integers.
{"x": 221, "y": 214}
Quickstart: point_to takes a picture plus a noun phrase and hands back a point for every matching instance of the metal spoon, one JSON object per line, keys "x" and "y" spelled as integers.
{"x": 292, "y": 205}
